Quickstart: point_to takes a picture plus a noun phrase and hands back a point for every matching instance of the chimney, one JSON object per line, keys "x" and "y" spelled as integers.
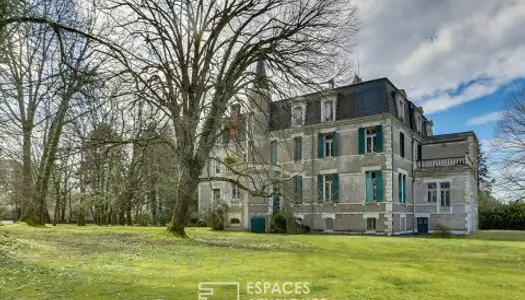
{"x": 331, "y": 83}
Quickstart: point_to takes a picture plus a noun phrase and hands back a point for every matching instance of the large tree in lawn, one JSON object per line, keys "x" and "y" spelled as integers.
{"x": 193, "y": 58}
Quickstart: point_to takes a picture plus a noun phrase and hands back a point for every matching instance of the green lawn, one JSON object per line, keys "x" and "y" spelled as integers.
{"x": 69, "y": 262}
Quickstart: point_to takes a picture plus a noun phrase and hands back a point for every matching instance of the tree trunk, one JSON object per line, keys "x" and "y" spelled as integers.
{"x": 28, "y": 214}
{"x": 186, "y": 190}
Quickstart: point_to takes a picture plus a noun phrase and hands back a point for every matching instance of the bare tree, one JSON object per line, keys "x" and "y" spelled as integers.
{"x": 510, "y": 145}
{"x": 192, "y": 59}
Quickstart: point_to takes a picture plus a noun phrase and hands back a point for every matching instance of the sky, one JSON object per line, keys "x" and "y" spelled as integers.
{"x": 458, "y": 59}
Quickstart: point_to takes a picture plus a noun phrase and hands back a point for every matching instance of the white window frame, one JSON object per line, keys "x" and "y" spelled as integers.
{"x": 419, "y": 123}
{"x": 235, "y": 192}
{"x": 372, "y": 136}
{"x": 298, "y": 121}
{"x": 217, "y": 166}
{"x": 401, "y": 108}
{"x": 325, "y": 116}
{"x": 444, "y": 191}
{"x": 328, "y": 144}
{"x": 429, "y": 130}
{"x": 327, "y": 193}
{"x": 430, "y": 192}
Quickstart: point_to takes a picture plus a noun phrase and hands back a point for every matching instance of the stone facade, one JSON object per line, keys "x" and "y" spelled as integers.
{"x": 351, "y": 189}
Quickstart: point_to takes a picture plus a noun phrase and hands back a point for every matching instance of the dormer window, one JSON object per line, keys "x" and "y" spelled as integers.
{"x": 419, "y": 124}
{"x": 298, "y": 115}
{"x": 328, "y": 111}
{"x": 401, "y": 110}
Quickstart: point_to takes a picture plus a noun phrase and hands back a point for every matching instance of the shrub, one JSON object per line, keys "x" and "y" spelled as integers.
{"x": 442, "y": 231}
{"x": 143, "y": 219}
{"x": 283, "y": 223}
{"x": 215, "y": 216}
{"x": 196, "y": 220}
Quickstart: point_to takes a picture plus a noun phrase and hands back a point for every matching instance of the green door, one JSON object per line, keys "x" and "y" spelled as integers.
{"x": 422, "y": 225}
{"x": 258, "y": 225}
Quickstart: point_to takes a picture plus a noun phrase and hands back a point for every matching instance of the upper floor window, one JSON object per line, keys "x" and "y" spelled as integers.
{"x": 402, "y": 144}
{"x": 327, "y": 145}
{"x": 217, "y": 166}
{"x": 402, "y": 184}
{"x": 445, "y": 193}
{"x": 236, "y": 192}
{"x": 432, "y": 192}
{"x": 370, "y": 139}
{"x": 297, "y": 191}
{"x": 401, "y": 109}
{"x": 298, "y": 148}
{"x": 374, "y": 186}
{"x": 328, "y": 187}
{"x": 429, "y": 130}
{"x": 273, "y": 152}
{"x": 216, "y": 195}
{"x": 328, "y": 111}
{"x": 298, "y": 115}
{"x": 419, "y": 124}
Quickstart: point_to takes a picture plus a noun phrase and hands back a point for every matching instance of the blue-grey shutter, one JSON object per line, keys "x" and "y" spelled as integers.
{"x": 379, "y": 178}
{"x": 379, "y": 138}
{"x": 300, "y": 188}
{"x": 335, "y": 187}
{"x": 320, "y": 183}
{"x": 361, "y": 141}
{"x": 400, "y": 186}
{"x": 404, "y": 189}
{"x": 320, "y": 145}
{"x": 299, "y": 148}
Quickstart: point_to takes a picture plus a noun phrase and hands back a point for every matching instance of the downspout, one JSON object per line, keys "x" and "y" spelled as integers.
{"x": 414, "y": 165}
{"x": 312, "y": 181}
{"x": 392, "y": 171}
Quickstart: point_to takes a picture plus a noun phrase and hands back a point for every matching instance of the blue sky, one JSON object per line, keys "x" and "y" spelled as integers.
{"x": 456, "y": 59}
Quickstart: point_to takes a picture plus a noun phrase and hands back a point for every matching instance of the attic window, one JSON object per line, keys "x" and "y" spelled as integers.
{"x": 298, "y": 115}
{"x": 328, "y": 111}
{"x": 401, "y": 110}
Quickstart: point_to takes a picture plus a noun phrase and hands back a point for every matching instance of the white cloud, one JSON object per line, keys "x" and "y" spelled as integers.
{"x": 486, "y": 118}
{"x": 430, "y": 48}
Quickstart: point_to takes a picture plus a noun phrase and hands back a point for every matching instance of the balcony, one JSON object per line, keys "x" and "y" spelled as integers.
{"x": 445, "y": 162}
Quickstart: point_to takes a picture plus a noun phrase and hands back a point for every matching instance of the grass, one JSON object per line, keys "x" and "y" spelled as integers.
{"x": 69, "y": 262}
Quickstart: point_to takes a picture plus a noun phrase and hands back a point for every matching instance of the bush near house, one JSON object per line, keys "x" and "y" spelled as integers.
{"x": 215, "y": 216}
{"x": 502, "y": 216}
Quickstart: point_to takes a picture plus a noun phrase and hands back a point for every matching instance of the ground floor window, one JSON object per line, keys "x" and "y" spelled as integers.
{"x": 371, "y": 224}
{"x": 403, "y": 225}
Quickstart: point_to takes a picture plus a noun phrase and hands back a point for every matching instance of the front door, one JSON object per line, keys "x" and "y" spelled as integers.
{"x": 422, "y": 225}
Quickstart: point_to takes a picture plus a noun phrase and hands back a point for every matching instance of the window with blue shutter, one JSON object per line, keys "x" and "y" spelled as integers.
{"x": 320, "y": 184}
{"x": 320, "y": 145}
{"x": 379, "y": 138}
{"x": 400, "y": 187}
{"x": 361, "y": 141}
{"x": 297, "y": 183}
{"x": 273, "y": 152}
{"x": 298, "y": 144}
{"x": 335, "y": 187}
{"x": 404, "y": 189}
{"x": 379, "y": 187}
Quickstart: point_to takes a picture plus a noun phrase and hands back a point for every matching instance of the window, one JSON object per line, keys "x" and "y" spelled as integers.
{"x": 217, "y": 166}
{"x": 328, "y": 111}
{"x": 328, "y": 224}
{"x": 297, "y": 189}
{"x": 403, "y": 224}
{"x": 429, "y": 130}
{"x": 419, "y": 152}
{"x": 401, "y": 109}
{"x": 298, "y": 148}
{"x": 402, "y": 144}
{"x": 273, "y": 152}
{"x": 328, "y": 188}
{"x": 374, "y": 186}
{"x": 236, "y": 192}
{"x": 297, "y": 115}
{"x": 328, "y": 145}
{"x": 371, "y": 224}
{"x": 432, "y": 192}
{"x": 371, "y": 140}
{"x": 445, "y": 193}
{"x": 418, "y": 124}
{"x": 216, "y": 195}
{"x": 402, "y": 179}
{"x": 235, "y": 221}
